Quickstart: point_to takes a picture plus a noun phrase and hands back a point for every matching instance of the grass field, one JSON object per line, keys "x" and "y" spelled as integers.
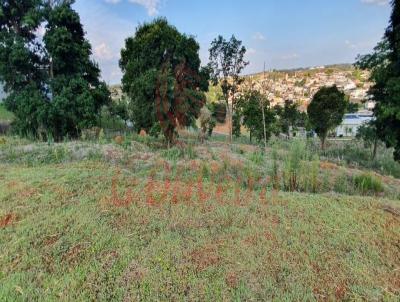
{"x": 85, "y": 221}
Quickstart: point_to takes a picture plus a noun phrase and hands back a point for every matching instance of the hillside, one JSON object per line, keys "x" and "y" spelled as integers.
{"x": 300, "y": 85}
{"x": 94, "y": 220}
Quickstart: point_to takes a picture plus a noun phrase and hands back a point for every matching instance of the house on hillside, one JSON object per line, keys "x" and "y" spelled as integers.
{"x": 352, "y": 122}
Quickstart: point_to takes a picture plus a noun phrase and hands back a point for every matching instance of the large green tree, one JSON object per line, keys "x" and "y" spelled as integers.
{"x": 53, "y": 86}
{"x": 226, "y": 63}
{"x": 77, "y": 94}
{"x": 385, "y": 65}
{"x": 163, "y": 78}
{"x": 22, "y": 58}
{"x": 326, "y": 111}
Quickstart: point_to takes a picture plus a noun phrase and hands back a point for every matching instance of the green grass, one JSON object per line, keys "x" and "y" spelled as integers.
{"x": 86, "y": 221}
{"x": 69, "y": 241}
{"x": 367, "y": 183}
{"x": 5, "y": 116}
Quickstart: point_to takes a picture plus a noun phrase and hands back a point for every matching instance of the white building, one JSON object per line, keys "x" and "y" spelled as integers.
{"x": 352, "y": 122}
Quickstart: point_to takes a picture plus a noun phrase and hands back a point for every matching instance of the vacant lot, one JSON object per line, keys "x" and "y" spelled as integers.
{"x": 136, "y": 224}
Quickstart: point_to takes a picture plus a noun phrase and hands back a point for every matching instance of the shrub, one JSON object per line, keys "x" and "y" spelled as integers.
{"x": 292, "y": 165}
{"x": 367, "y": 183}
{"x": 257, "y": 157}
{"x": 172, "y": 154}
{"x": 309, "y": 178}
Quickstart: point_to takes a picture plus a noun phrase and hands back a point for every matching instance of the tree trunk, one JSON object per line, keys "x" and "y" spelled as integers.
{"x": 231, "y": 125}
{"x": 264, "y": 125}
{"x": 374, "y": 152}
{"x": 323, "y": 143}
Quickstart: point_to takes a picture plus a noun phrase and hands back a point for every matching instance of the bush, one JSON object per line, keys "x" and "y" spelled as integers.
{"x": 257, "y": 157}
{"x": 367, "y": 184}
{"x": 172, "y": 154}
{"x": 292, "y": 165}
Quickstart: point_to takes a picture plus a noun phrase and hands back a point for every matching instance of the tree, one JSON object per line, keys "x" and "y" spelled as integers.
{"x": 249, "y": 107}
{"x": 326, "y": 111}
{"x": 352, "y": 107}
{"x": 289, "y": 116}
{"x": 77, "y": 93}
{"x": 385, "y": 65}
{"x": 162, "y": 77}
{"x": 53, "y": 86}
{"x": 369, "y": 134}
{"x": 226, "y": 63}
{"x": 22, "y": 60}
{"x": 377, "y": 63}
{"x": 205, "y": 120}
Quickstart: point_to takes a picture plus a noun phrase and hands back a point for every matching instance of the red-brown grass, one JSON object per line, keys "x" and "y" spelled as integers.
{"x": 7, "y": 220}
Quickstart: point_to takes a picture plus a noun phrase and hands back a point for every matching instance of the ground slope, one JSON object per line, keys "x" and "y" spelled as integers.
{"x": 87, "y": 231}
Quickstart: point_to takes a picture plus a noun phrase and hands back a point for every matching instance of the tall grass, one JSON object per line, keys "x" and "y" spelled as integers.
{"x": 354, "y": 154}
{"x": 292, "y": 165}
{"x": 368, "y": 184}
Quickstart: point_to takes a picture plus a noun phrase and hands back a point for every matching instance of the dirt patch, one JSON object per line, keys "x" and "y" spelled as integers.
{"x": 74, "y": 253}
{"x": 205, "y": 257}
{"x": 7, "y": 220}
{"x": 391, "y": 210}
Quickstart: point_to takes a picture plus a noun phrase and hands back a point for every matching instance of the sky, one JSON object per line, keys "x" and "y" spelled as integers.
{"x": 282, "y": 33}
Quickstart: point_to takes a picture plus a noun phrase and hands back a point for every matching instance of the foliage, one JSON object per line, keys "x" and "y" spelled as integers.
{"x": 20, "y": 56}
{"x": 53, "y": 86}
{"x": 5, "y": 115}
{"x": 367, "y": 183}
{"x": 326, "y": 111}
{"x": 226, "y": 64}
{"x": 385, "y": 65}
{"x": 205, "y": 120}
{"x": 289, "y": 117}
{"x": 218, "y": 111}
{"x": 96, "y": 230}
{"x": 236, "y": 124}
{"x": 369, "y": 134}
{"x": 162, "y": 77}
{"x": 250, "y": 108}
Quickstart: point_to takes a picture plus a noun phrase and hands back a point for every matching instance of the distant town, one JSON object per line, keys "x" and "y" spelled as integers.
{"x": 301, "y": 85}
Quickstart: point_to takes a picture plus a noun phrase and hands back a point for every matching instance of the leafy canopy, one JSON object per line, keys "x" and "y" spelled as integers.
{"x": 385, "y": 65}
{"x": 53, "y": 86}
{"x": 326, "y": 111}
{"x": 226, "y": 64}
{"x": 163, "y": 78}
{"x": 250, "y": 109}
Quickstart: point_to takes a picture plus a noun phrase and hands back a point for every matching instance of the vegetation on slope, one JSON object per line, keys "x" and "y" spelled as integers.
{"x": 88, "y": 221}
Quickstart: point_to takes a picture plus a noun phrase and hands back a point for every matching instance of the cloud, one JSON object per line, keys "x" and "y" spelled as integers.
{"x": 293, "y": 56}
{"x": 251, "y": 51}
{"x": 376, "y": 2}
{"x": 107, "y": 36}
{"x": 103, "y": 51}
{"x": 152, "y": 6}
{"x": 258, "y": 36}
{"x": 350, "y": 44}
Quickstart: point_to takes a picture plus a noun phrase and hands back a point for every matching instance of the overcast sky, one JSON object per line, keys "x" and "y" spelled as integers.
{"x": 283, "y": 33}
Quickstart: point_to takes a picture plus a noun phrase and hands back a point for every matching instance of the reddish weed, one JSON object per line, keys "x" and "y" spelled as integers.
{"x": 7, "y": 220}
